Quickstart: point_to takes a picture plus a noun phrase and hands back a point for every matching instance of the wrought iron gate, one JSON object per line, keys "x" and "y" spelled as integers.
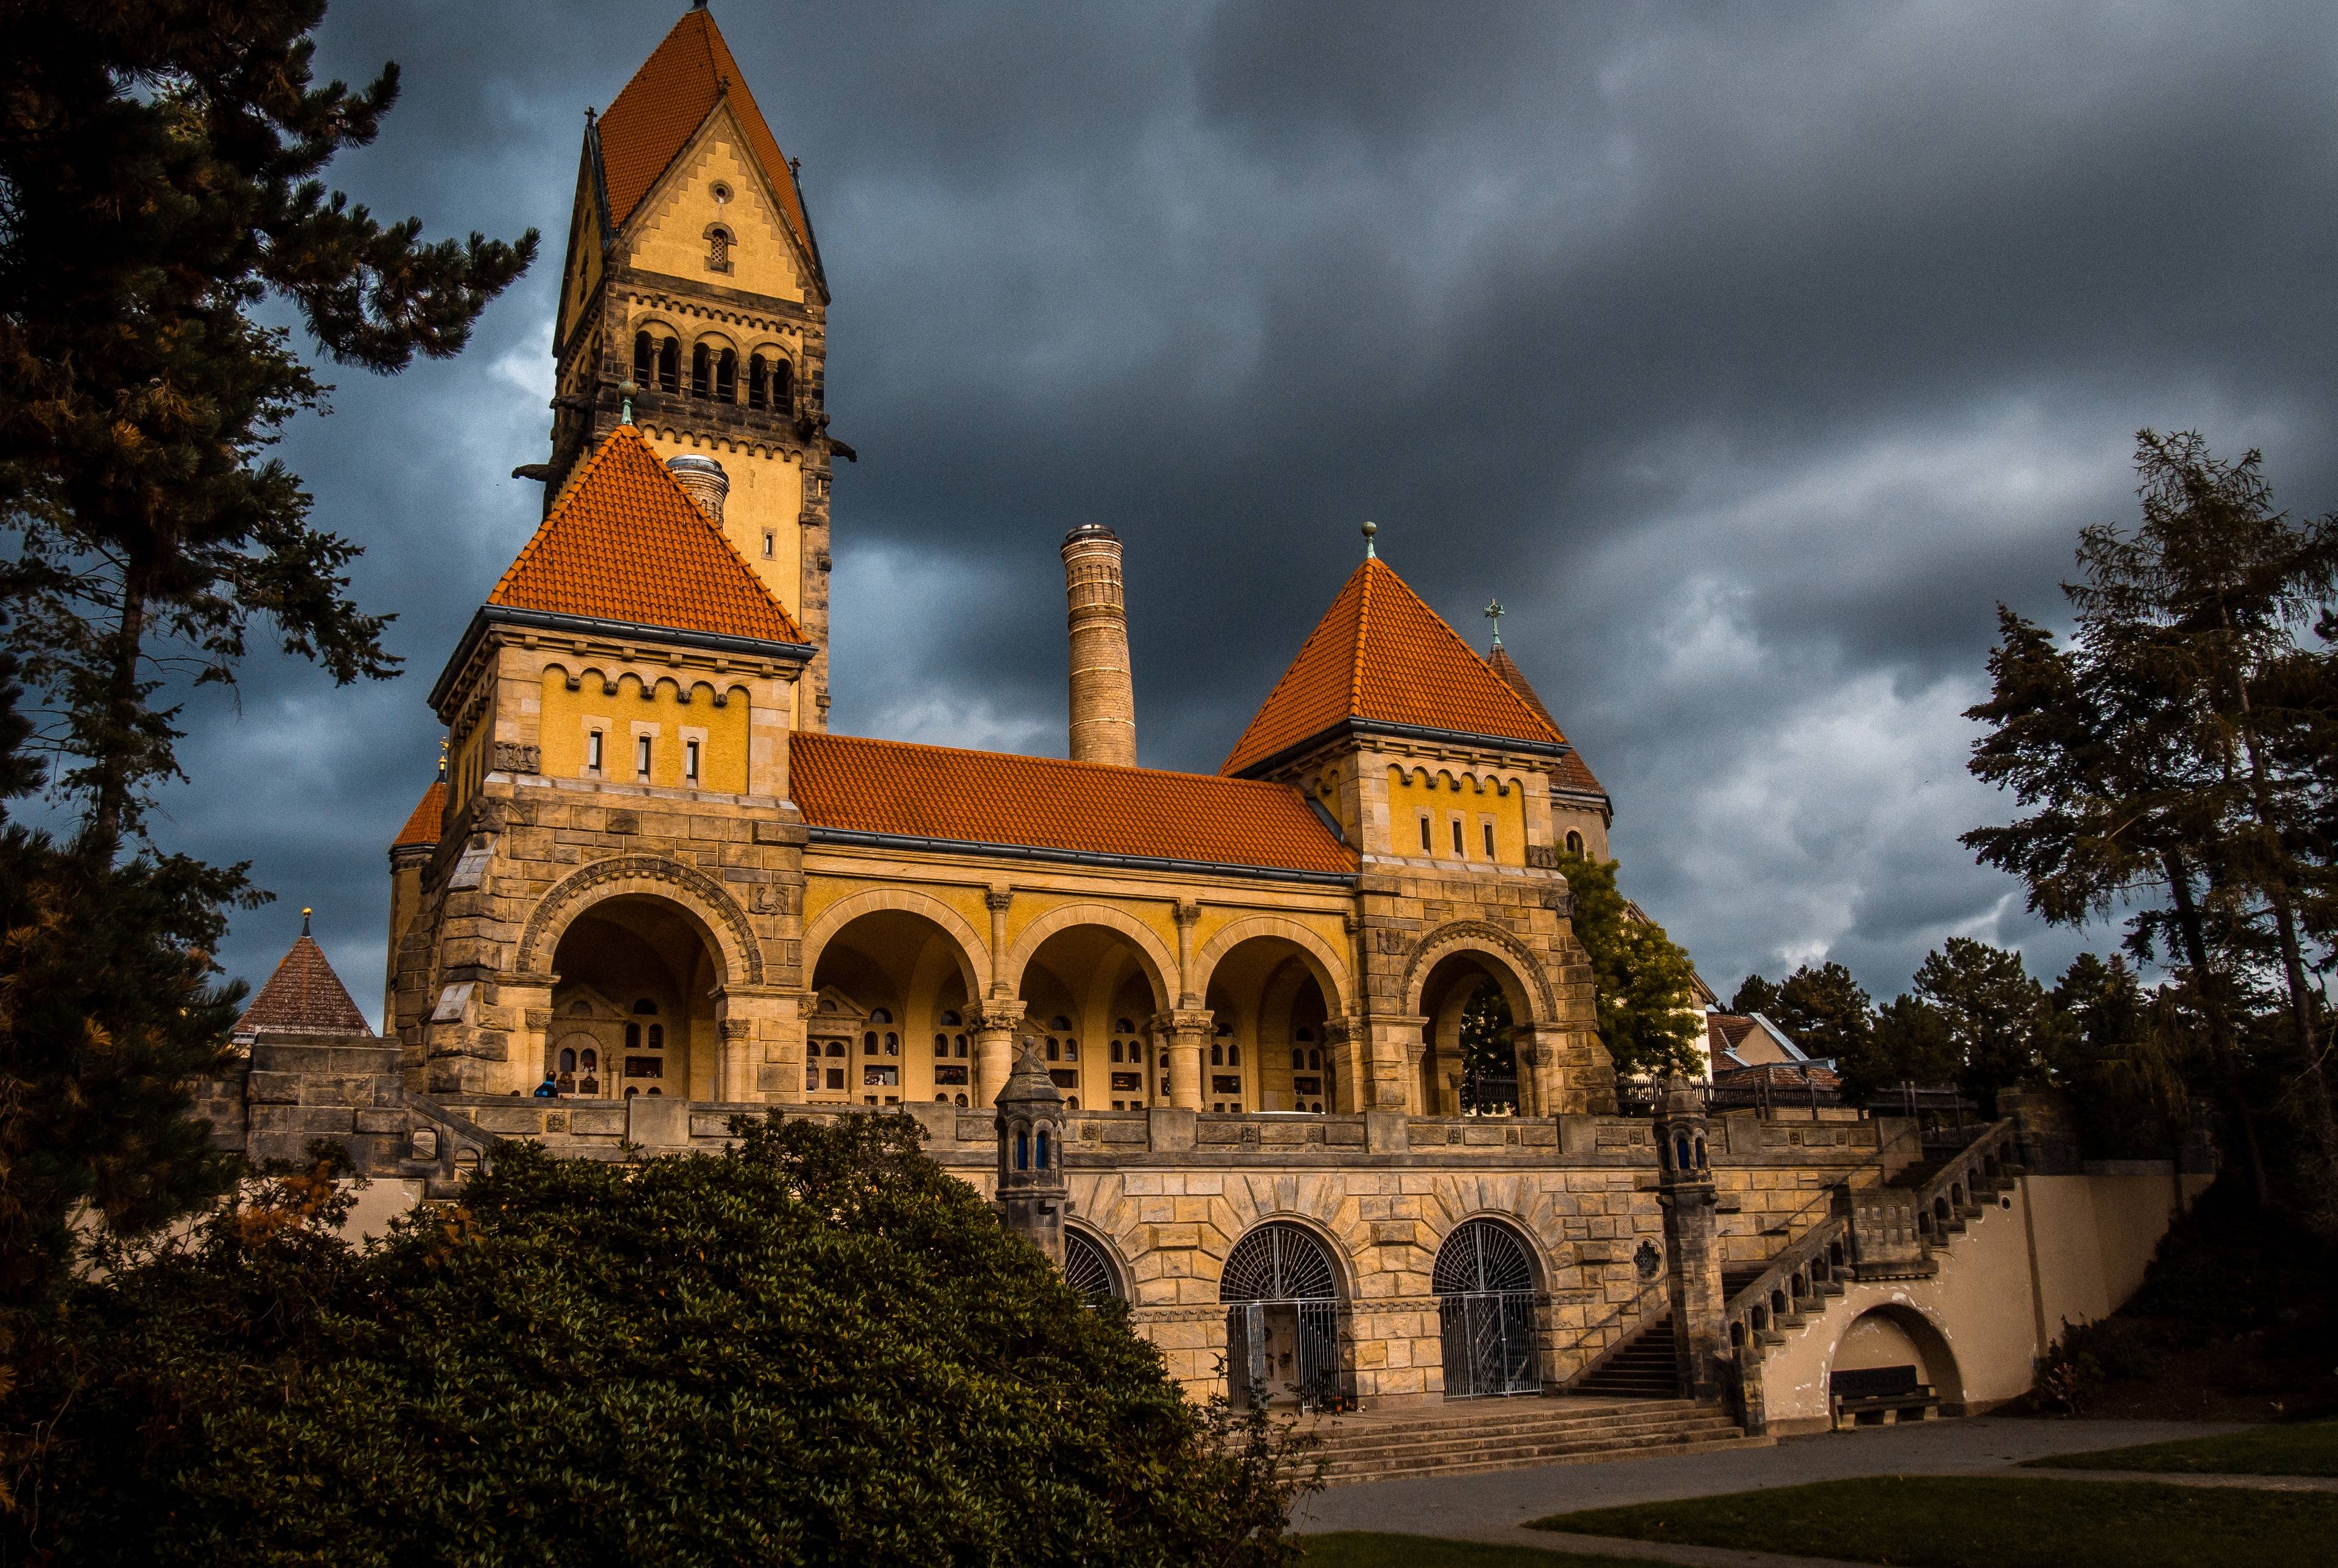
{"x": 1279, "y": 1270}
{"x": 1486, "y": 1312}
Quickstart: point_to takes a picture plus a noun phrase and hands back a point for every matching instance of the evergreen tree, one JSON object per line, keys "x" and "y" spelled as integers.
{"x": 1825, "y": 1011}
{"x": 1489, "y": 1052}
{"x": 815, "y": 1347}
{"x": 1755, "y": 994}
{"x": 1995, "y": 1013}
{"x": 1647, "y": 989}
{"x": 2118, "y": 1048}
{"x": 1909, "y": 1044}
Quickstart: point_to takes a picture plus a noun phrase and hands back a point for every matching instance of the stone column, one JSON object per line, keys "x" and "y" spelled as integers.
{"x": 994, "y": 1025}
{"x": 1187, "y": 916}
{"x": 1684, "y": 1191}
{"x": 1342, "y": 1048}
{"x": 1542, "y": 1081}
{"x": 1183, "y": 1034}
{"x": 999, "y": 900}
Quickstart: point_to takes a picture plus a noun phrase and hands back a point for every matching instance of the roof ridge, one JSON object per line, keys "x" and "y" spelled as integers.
{"x": 1363, "y": 634}
{"x": 1464, "y": 644}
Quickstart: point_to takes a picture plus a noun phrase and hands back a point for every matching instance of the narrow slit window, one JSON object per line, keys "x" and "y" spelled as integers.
{"x": 1456, "y": 836}
{"x": 759, "y": 382}
{"x": 690, "y": 760}
{"x": 1425, "y": 846}
{"x": 593, "y": 752}
{"x": 726, "y": 376}
{"x": 1488, "y": 827}
{"x": 701, "y": 371}
{"x": 644, "y": 358}
{"x": 771, "y": 544}
{"x": 642, "y": 756}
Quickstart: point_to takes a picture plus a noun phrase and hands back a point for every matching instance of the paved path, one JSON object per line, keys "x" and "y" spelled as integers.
{"x": 1494, "y": 1506}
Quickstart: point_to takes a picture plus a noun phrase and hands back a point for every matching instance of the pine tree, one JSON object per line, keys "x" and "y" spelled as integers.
{"x": 1646, "y": 988}
{"x": 1755, "y": 994}
{"x": 1825, "y": 1011}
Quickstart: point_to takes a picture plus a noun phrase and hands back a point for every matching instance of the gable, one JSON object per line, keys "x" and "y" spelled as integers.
{"x": 669, "y": 231}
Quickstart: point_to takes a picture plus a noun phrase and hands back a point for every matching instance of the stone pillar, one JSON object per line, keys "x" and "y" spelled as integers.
{"x": 1542, "y": 1081}
{"x": 1684, "y": 1191}
{"x": 1343, "y": 1051}
{"x": 1188, "y": 915}
{"x": 999, "y": 900}
{"x": 1032, "y": 1191}
{"x": 1103, "y": 695}
{"x": 1183, "y": 1033}
{"x": 993, "y": 1024}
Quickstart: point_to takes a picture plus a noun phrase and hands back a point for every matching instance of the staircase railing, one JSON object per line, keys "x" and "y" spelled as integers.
{"x": 1790, "y": 1284}
{"x": 1637, "y": 1308}
{"x": 1951, "y": 1196}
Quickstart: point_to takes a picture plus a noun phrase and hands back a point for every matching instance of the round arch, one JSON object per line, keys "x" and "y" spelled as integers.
{"x": 1516, "y": 968}
{"x": 1486, "y": 1233}
{"x": 1889, "y": 1335}
{"x": 973, "y": 954}
{"x": 1284, "y": 1259}
{"x": 1092, "y": 1265}
{"x": 1152, "y": 954}
{"x": 1322, "y": 960}
{"x": 729, "y": 934}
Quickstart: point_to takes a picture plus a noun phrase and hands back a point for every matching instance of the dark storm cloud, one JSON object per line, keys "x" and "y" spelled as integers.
{"x": 1749, "y": 354}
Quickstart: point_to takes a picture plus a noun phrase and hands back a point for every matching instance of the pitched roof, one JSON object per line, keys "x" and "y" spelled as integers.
{"x": 664, "y": 104}
{"x": 625, "y": 543}
{"x": 858, "y": 785}
{"x": 1380, "y": 653}
{"x": 304, "y": 996}
{"x": 1570, "y": 771}
{"x": 430, "y": 814}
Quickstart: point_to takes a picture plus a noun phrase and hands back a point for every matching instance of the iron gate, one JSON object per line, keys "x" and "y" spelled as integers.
{"x": 1320, "y": 1381}
{"x": 1486, "y": 1312}
{"x": 1278, "y": 1279}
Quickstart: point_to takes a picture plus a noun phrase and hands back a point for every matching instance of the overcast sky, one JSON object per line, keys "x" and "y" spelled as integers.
{"x": 1750, "y": 354}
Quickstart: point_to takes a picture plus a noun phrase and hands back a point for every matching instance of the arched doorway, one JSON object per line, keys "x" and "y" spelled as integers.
{"x": 1090, "y": 995}
{"x": 1472, "y": 1002}
{"x": 1283, "y": 1324}
{"x": 634, "y": 1003}
{"x": 1899, "y": 1339}
{"x": 1268, "y": 1050}
{"x": 1088, "y": 1269}
{"x": 888, "y": 1023}
{"x": 1484, "y": 1285}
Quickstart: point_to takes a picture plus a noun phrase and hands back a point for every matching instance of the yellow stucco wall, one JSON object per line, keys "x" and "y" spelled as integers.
{"x": 669, "y": 231}
{"x": 568, "y": 718}
{"x": 1445, "y": 793}
{"x": 766, "y": 496}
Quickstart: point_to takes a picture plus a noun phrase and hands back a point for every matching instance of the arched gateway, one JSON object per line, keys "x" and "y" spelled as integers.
{"x": 1484, "y": 1282}
{"x": 1282, "y": 1319}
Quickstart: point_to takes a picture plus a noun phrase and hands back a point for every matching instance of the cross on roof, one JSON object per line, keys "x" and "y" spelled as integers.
{"x": 1494, "y": 613}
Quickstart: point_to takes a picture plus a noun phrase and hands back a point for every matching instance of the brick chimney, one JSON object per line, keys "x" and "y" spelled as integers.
{"x": 1103, "y": 698}
{"x": 704, "y": 479}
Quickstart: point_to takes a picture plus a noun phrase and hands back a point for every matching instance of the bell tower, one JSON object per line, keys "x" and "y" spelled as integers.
{"x": 692, "y": 303}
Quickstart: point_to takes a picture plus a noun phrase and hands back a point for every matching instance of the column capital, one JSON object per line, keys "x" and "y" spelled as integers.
{"x": 996, "y": 1014}
{"x": 997, "y": 898}
{"x": 1186, "y": 911}
{"x": 1185, "y": 1020}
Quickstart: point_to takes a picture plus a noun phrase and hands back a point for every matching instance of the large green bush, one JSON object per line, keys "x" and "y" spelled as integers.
{"x": 816, "y": 1347}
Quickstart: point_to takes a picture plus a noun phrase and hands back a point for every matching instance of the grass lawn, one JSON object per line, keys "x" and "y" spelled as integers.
{"x": 1976, "y": 1521}
{"x": 1366, "y": 1548}
{"x": 2308, "y": 1448}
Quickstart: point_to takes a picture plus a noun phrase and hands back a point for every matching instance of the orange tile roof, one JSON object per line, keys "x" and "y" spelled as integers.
{"x": 1570, "y": 771}
{"x": 1379, "y": 653}
{"x": 664, "y": 104}
{"x": 429, "y": 816}
{"x": 858, "y": 785}
{"x": 627, "y": 542}
{"x": 304, "y": 996}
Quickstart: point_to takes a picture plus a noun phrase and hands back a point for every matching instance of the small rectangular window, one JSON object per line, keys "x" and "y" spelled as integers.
{"x": 1456, "y": 836}
{"x": 642, "y": 756}
{"x": 593, "y": 752}
{"x": 1490, "y": 839}
{"x": 1426, "y": 848}
{"x": 690, "y": 763}
{"x": 771, "y": 544}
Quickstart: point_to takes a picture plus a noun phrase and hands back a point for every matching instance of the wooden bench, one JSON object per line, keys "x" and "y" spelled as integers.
{"x": 1874, "y": 1394}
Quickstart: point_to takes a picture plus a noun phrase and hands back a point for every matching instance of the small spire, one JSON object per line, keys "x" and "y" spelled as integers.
{"x": 625, "y": 390}
{"x": 1370, "y": 551}
{"x": 305, "y": 913}
{"x": 1494, "y": 613}
{"x": 442, "y": 759}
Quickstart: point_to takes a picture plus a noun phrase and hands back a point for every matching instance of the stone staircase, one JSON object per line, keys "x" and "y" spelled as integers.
{"x": 1646, "y": 1366}
{"x": 1512, "y": 1434}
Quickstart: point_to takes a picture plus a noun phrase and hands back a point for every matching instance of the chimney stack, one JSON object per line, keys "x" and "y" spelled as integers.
{"x": 1104, "y": 697}
{"x": 704, "y": 479}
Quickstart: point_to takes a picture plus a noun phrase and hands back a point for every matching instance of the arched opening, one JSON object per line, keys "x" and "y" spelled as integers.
{"x": 888, "y": 1023}
{"x": 669, "y": 365}
{"x": 726, "y": 376}
{"x": 1089, "y": 1270}
{"x": 702, "y": 370}
{"x": 634, "y": 1003}
{"x": 1268, "y": 1051}
{"x": 1078, "y": 988}
{"x": 1891, "y": 1346}
{"x": 645, "y": 358}
{"x": 1468, "y": 1059}
{"x": 759, "y": 382}
{"x": 1283, "y": 1321}
{"x": 1484, "y": 1282}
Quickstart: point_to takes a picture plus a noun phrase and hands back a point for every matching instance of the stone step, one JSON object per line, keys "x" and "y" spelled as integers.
{"x": 1455, "y": 1451}
{"x": 1359, "y": 1439}
{"x": 1476, "y": 1414}
{"x": 1593, "y": 1453}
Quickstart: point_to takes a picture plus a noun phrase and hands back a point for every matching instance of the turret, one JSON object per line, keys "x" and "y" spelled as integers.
{"x": 1684, "y": 1191}
{"x": 1103, "y": 695}
{"x": 1032, "y": 1192}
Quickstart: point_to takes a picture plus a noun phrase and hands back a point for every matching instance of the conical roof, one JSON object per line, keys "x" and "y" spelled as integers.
{"x": 422, "y": 828}
{"x": 1571, "y": 772}
{"x": 1380, "y": 653}
{"x": 1029, "y": 1082}
{"x": 663, "y": 107}
{"x": 625, "y": 543}
{"x": 304, "y": 996}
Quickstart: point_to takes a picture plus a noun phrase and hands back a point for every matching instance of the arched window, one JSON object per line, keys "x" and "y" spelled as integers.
{"x": 567, "y": 1060}
{"x": 718, "y": 248}
{"x": 941, "y": 1045}
{"x": 892, "y": 1043}
{"x": 726, "y": 376}
{"x": 1071, "y": 1050}
{"x": 960, "y": 1101}
{"x": 1125, "y": 1027}
{"x": 1022, "y": 1151}
{"x": 1233, "y": 1055}
{"x": 1043, "y": 1148}
{"x": 1059, "y": 1022}
{"x": 869, "y": 1045}
{"x": 783, "y": 385}
{"x": 759, "y": 382}
{"x": 950, "y": 1019}
{"x": 957, "y": 1045}
{"x": 1115, "y": 1049}
{"x": 1217, "y": 1055}
{"x": 592, "y": 1061}
{"x": 1298, "y": 1059}
{"x": 1574, "y": 843}
{"x": 645, "y": 358}
{"x": 669, "y": 368}
{"x": 882, "y": 1015}
{"x": 836, "y": 1048}
{"x": 632, "y": 1036}
{"x": 702, "y": 370}
{"x": 657, "y": 1036}
{"x": 1315, "y": 1059}
{"x": 1054, "y": 1049}
{"x": 1087, "y": 1270}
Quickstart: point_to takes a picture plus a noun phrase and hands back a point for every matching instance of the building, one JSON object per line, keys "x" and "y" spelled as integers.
{"x": 653, "y": 877}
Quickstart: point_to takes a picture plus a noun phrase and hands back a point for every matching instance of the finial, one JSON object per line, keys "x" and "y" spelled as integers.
{"x": 1494, "y": 613}
{"x": 589, "y": 115}
{"x": 795, "y": 166}
{"x": 1369, "y": 552}
{"x": 625, "y": 391}
{"x": 305, "y": 913}
{"x": 442, "y": 759}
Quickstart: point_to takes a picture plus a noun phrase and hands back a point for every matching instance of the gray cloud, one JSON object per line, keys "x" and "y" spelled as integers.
{"x": 1750, "y": 354}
